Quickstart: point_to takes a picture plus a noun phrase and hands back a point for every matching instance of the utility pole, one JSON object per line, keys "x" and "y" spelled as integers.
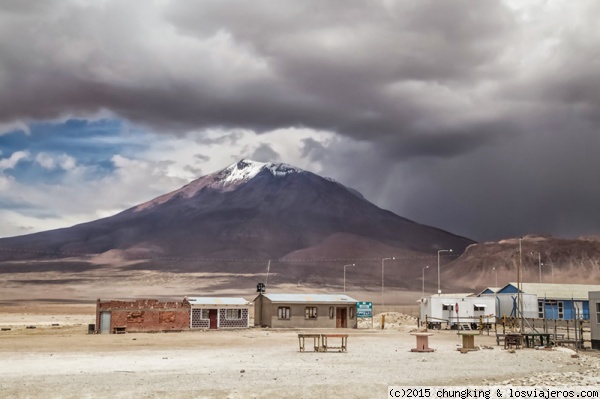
{"x": 519, "y": 286}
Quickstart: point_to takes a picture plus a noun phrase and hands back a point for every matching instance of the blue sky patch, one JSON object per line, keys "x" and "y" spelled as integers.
{"x": 90, "y": 143}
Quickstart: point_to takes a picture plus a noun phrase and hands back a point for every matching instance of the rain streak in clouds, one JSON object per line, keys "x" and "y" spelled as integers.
{"x": 480, "y": 118}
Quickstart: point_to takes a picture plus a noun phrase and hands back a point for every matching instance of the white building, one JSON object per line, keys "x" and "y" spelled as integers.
{"x": 219, "y": 313}
{"x": 457, "y": 309}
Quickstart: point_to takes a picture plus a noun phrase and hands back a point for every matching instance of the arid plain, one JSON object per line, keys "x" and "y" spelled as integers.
{"x": 63, "y": 361}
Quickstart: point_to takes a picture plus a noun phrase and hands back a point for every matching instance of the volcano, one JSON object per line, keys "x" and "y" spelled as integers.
{"x": 223, "y": 229}
{"x": 249, "y": 210}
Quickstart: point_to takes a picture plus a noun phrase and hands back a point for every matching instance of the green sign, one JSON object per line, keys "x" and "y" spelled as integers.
{"x": 364, "y": 309}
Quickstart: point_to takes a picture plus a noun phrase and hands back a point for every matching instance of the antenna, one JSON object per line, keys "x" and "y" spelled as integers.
{"x": 268, "y": 269}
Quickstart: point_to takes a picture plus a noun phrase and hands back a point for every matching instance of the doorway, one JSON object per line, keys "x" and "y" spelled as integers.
{"x": 212, "y": 316}
{"x": 104, "y": 322}
{"x": 341, "y": 318}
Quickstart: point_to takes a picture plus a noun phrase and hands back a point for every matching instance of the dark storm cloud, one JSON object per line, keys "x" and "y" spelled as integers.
{"x": 265, "y": 153}
{"x": 478, "y": 117}
{"x": 366, "y": 70}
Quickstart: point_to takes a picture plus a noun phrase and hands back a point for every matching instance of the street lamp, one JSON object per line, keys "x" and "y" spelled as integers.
{"x": 382, "y": 274}
{"x": 520, "y": 286}
{"x": 494, "y": 269}
{"x": 441, "y": 250}
{"x": 423, "y": 280}
{"x": 539, "y": 263}
{"x": 345, "y": 266}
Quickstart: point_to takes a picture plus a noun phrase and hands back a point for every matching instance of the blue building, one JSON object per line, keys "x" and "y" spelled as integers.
{"x": 557, "y": 301}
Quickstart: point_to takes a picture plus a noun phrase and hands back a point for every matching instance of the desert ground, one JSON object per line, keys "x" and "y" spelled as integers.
{"x": 58, "y": 359}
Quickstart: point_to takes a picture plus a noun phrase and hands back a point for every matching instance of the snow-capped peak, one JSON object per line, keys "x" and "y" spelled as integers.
{"x": 245, "y": 170}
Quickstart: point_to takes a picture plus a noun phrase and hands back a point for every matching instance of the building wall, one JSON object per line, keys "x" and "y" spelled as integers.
{"x": 233, "y": 323}
{"x": 197, "y": 322}
{"x": 263, "y": 312}
{"x": 145, "y": 315}
{"x": 297, "y": 315}
{"x": 595, "y": 318}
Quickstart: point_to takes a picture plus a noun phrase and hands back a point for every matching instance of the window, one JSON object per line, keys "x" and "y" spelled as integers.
{"x": 541, "y": 309}
{"x": 331, "y": 312}
{"x": 448, "y": 307}
{"x": 352, "y": 311}
{"x": 205, "y": 314}
{"x": 310, "y": 312}
{"x": 561, "y": 310}
{"x": 283, "y": 312}
{"x": 233, "y": 314}
{"x": 598, "y": 312}
{"x": 478, "y": 308}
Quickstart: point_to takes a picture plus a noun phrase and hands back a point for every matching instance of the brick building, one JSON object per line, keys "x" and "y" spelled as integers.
{"x": 219, "y": 313}
{"x": 142, "y": 315}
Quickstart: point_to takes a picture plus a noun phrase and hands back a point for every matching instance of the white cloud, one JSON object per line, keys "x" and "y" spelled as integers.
{"x": 13, "y": 160}
{"x": 50, "y": 161}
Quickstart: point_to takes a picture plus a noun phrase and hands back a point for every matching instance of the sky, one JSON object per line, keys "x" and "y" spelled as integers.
{"x": 478, "y": 117}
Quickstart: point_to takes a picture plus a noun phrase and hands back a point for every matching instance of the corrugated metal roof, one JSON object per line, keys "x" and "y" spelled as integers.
{"x": 459, "y": 295}
{"x": 493, "y": 289}
{"x": 558, "y": 291}
{"x": 217, "y": 301}
{"x": 318, "y": 298}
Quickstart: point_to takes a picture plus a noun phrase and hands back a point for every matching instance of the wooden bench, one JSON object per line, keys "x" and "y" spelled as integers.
{"x": 513, "y": 340}
{"x": 119, "y": 330}
{"x": 316, "y": 341}
{"x": 342, "y": 348}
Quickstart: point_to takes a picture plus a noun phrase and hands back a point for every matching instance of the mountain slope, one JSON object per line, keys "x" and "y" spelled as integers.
{"x": 551, "y": 259}
{"x": 248, "y": 210}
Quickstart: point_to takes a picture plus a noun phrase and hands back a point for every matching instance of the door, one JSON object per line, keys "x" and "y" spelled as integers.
{"x": 212, "y": 315}
{"x": 104, "y": 322}
{"x": 341, "y": 318}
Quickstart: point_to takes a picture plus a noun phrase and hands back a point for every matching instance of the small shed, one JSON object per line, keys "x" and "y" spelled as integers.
{"x": 305, "y": 311}
{"x": 594, "y": 298}
{"x": 557, "y": 301}
{"x": 211, "y": 313}
{"x": 454, "y": 309}
{"x": 142, "y": 315}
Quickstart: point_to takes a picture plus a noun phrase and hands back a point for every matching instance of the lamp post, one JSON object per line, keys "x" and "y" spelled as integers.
{"x": 495, "y": 270}
{"x": 539, "y": 263}
{"x": 382, "y": 274}
{"x": 423, "y": 281}
{"x": 441, "y": 250}
{"x": 345, "y": 266}
{"x": 519, "y": 286}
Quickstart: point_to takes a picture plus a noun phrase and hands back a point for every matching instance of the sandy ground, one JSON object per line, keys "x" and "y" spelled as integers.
{"x": 64, "y": 362}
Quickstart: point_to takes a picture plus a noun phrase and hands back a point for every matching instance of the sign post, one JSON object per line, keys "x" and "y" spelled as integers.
{"x": 364, "y": 310}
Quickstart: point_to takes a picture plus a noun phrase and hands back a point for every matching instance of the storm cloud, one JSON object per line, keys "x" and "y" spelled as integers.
{"x": 477, "y": 117}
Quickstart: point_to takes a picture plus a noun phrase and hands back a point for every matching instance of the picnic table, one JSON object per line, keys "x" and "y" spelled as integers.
{"x": 343, "y": 346}
{"x": 514, "y": 339}
{"x": 532, "y": 338}
{"x": 316, "y": 341}
{"x": 321, "y": 343}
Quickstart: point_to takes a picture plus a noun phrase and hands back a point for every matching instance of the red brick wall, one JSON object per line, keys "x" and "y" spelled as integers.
{"x": 145, "y": 315}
